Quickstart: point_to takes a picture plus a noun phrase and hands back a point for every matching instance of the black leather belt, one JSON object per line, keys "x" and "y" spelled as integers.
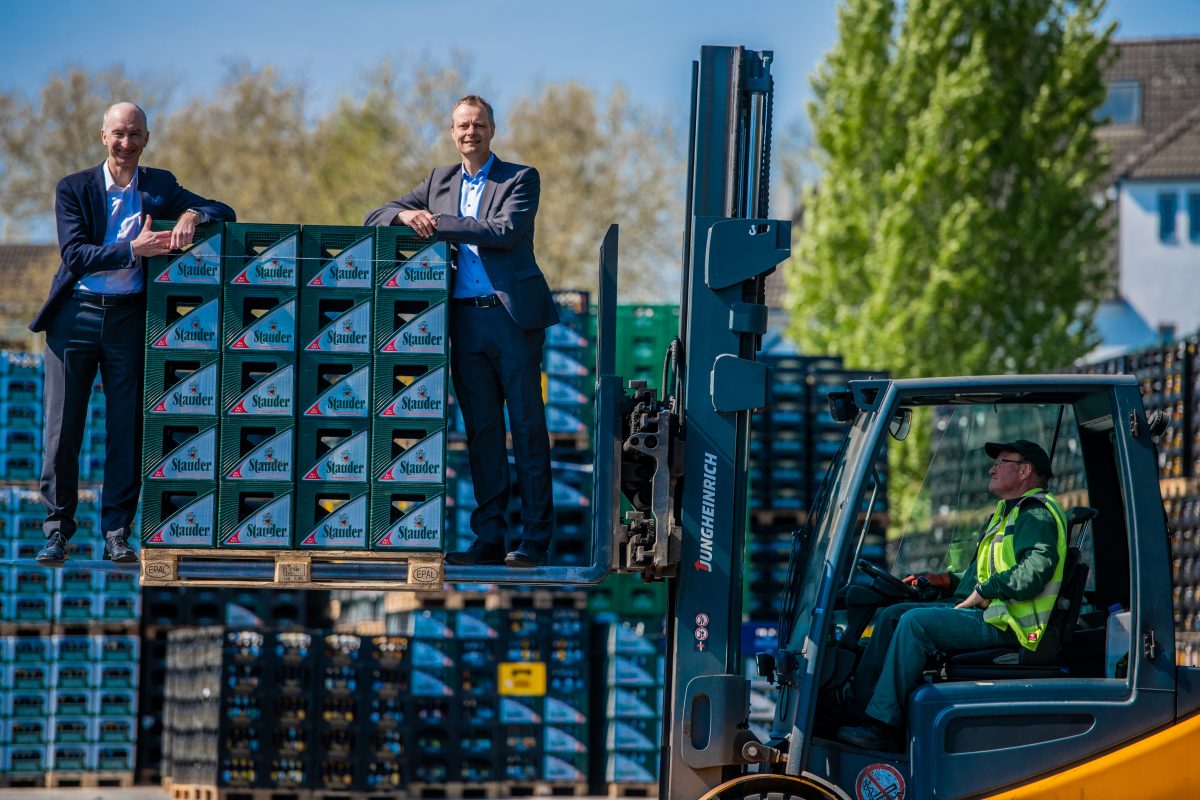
{"x": 483, "y": 301}
{"x": 108, "y": 300}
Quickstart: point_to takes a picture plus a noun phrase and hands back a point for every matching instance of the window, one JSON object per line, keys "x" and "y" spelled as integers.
{"x": 1194, "y": 217}
{"x": 1168, "y": 204}
{"x": 1123, "y": 105}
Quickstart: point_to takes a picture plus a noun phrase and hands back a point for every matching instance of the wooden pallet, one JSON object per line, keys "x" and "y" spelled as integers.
{"x": 488, "y": 601}
{"x": 544, "y": 789}
{"x": 26, "y": 629}
{"x": 293, "y": 568}
{"x": 22, "y": 780}
{"x": 89, "y": 780}
{"x": 633, "y": 790}
{"x": 180, "y": 791}
{"x": 96, "y": 627}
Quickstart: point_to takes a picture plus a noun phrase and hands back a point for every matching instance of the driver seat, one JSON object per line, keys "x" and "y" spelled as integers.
{"x": 999, "y": 663}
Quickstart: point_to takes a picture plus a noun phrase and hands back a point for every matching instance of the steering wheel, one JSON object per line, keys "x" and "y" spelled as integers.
{"x": 887, "y": 578}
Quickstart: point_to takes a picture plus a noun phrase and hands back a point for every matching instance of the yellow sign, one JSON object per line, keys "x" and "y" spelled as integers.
{"x": 523, "y": 679}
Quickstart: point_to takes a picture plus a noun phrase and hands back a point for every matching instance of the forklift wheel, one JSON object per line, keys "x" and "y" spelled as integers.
{"x": 773, "y": 787}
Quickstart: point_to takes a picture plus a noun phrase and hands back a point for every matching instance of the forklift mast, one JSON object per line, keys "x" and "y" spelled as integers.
{"x": 683, "y": 454}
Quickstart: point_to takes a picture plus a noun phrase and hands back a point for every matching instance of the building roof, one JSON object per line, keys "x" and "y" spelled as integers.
{"x": 1168, "y": 71}
{"x": 1172, "y": 154}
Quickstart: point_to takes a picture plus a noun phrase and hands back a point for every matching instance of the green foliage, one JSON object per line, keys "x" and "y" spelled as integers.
{"x": 956, "y": 227}
{"x": 601, "y": 162}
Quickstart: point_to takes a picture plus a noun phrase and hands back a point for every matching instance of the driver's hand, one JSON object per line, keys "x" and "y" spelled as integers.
{"x": 938, "y": 580}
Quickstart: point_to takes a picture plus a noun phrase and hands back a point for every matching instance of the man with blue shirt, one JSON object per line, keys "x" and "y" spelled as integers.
{"x": 95, "y": 319}
{"x": 500, "y": 308}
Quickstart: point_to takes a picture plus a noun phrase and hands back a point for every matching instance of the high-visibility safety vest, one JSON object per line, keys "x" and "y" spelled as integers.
{"x": 1026, "y": 618}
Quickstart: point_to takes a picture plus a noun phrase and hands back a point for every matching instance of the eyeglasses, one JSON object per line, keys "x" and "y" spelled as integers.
{"x": 996, "y": 464}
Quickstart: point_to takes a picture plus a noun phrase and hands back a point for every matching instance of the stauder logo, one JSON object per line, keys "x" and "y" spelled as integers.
{"x": 271, "y": 398}
{"x": 342, "y": 529}
{"x": 191, "y": 397}
{"x": 268, "y": 463}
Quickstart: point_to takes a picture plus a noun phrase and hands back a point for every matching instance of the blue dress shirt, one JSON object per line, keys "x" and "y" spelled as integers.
{"x": 472, "y": 279}
{"x": 124, "y": 208}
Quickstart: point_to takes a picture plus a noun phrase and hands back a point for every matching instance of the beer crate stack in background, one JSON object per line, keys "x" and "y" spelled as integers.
{"x": 68, "y": 643}
{"x": 792, "y": 445}
{"x": 334, "y": 394}
{"x": 1169, "y": 376}
{"x": 181, "y": 417}
{"x": 258, "y": 387}
{"x": 634, "y": 671}
{"x": 409, "y": 392}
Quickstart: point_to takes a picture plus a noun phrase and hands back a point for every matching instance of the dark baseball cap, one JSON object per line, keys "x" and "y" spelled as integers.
{"x": 1031, "y": 452}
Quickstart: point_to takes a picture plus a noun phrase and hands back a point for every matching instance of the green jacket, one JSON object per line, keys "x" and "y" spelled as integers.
{"x": 1035, "y": 541}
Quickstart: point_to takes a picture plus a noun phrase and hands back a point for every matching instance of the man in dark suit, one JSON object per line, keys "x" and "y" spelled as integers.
{"x": 95, "y": 318}
{"x": 500, "y": 308}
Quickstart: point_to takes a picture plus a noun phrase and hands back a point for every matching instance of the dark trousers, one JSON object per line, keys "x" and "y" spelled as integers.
{"x": 903, "y": 639}
{"x": 81, "y": 339}
{"x": 494, "y": 362}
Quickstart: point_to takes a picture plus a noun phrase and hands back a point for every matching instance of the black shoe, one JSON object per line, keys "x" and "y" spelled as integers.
{"x": 55, "y": 551}
{"x": 527, "y": 554}
{"x": 116, "y": 548}
{"x": 872, "y": 735}
{"x": 479, "y": 554}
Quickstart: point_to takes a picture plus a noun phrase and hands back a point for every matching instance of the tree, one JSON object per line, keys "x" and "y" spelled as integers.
{"x": 956, "y": 227}
{"x": 42, "y": 141}
{"x": 601, "y": 162}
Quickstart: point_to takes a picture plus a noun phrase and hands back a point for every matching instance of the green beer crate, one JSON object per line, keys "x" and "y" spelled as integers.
{"x": 255, "y": 515}
{"x": 337, "y": 257}
{"x": 334, "y": 387}
{"x": 259, "y": 320}
{"x": 335, "y": 323}
{"x": 183, "y": 319}
{"x": 174, "y": 450}
{"x": 197, "y": 267}
{"x": 181, "y": 384}
{"x": 179, "y": 514}
{"x": 333, "y": 450}
{"x": 259, "y": 450}
{"x": 332, "y": 515}
{"x": 411, "y": 325}
{"x": 408, "y": 453}
{"x": 260, "y": 255}
{"x": 409, "y": 389}
{"x": 258, "y": 385}
{"x": 406, "y": 519}
{"x": 404, "y": 262}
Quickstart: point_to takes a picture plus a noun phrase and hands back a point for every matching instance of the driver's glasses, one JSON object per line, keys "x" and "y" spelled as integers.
{"x": 1000, "y": 461}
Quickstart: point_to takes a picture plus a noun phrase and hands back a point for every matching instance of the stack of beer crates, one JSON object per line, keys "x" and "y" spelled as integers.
{"x": 183, "y": 373}
{"x": 409, "y": 392}
{"x": 337, "y": 267}
{"x": 258, "y": 387}
{"x": 793, "y": 443}
{"x": 635, "y": 651}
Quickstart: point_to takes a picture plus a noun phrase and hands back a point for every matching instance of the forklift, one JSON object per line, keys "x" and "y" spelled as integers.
{"x": 1101, "y": 710}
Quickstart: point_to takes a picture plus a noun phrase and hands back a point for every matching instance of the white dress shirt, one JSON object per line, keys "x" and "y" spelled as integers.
{"x": 124, "y": 207}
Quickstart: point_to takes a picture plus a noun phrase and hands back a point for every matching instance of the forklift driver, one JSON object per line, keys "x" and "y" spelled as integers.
{"x": 1008, "y": 592}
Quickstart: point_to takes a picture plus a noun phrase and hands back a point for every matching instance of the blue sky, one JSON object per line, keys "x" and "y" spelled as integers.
{"x": 516, "y": 45}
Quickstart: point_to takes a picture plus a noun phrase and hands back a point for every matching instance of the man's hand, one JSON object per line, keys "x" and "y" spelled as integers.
{"x": 152, "y": 243}
{"x": 184, "y": 230}
{"x": 975, "y": 600}
{"x": 419, "y": 220}
{"x": 938, "y": 580}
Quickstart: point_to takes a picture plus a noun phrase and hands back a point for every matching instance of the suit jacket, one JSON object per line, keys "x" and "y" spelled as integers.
{"x": 82, "y": 217}
{"x": 503, "y": 233}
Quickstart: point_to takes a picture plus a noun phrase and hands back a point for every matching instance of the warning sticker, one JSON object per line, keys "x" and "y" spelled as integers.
{"x": 879, "y": 782}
